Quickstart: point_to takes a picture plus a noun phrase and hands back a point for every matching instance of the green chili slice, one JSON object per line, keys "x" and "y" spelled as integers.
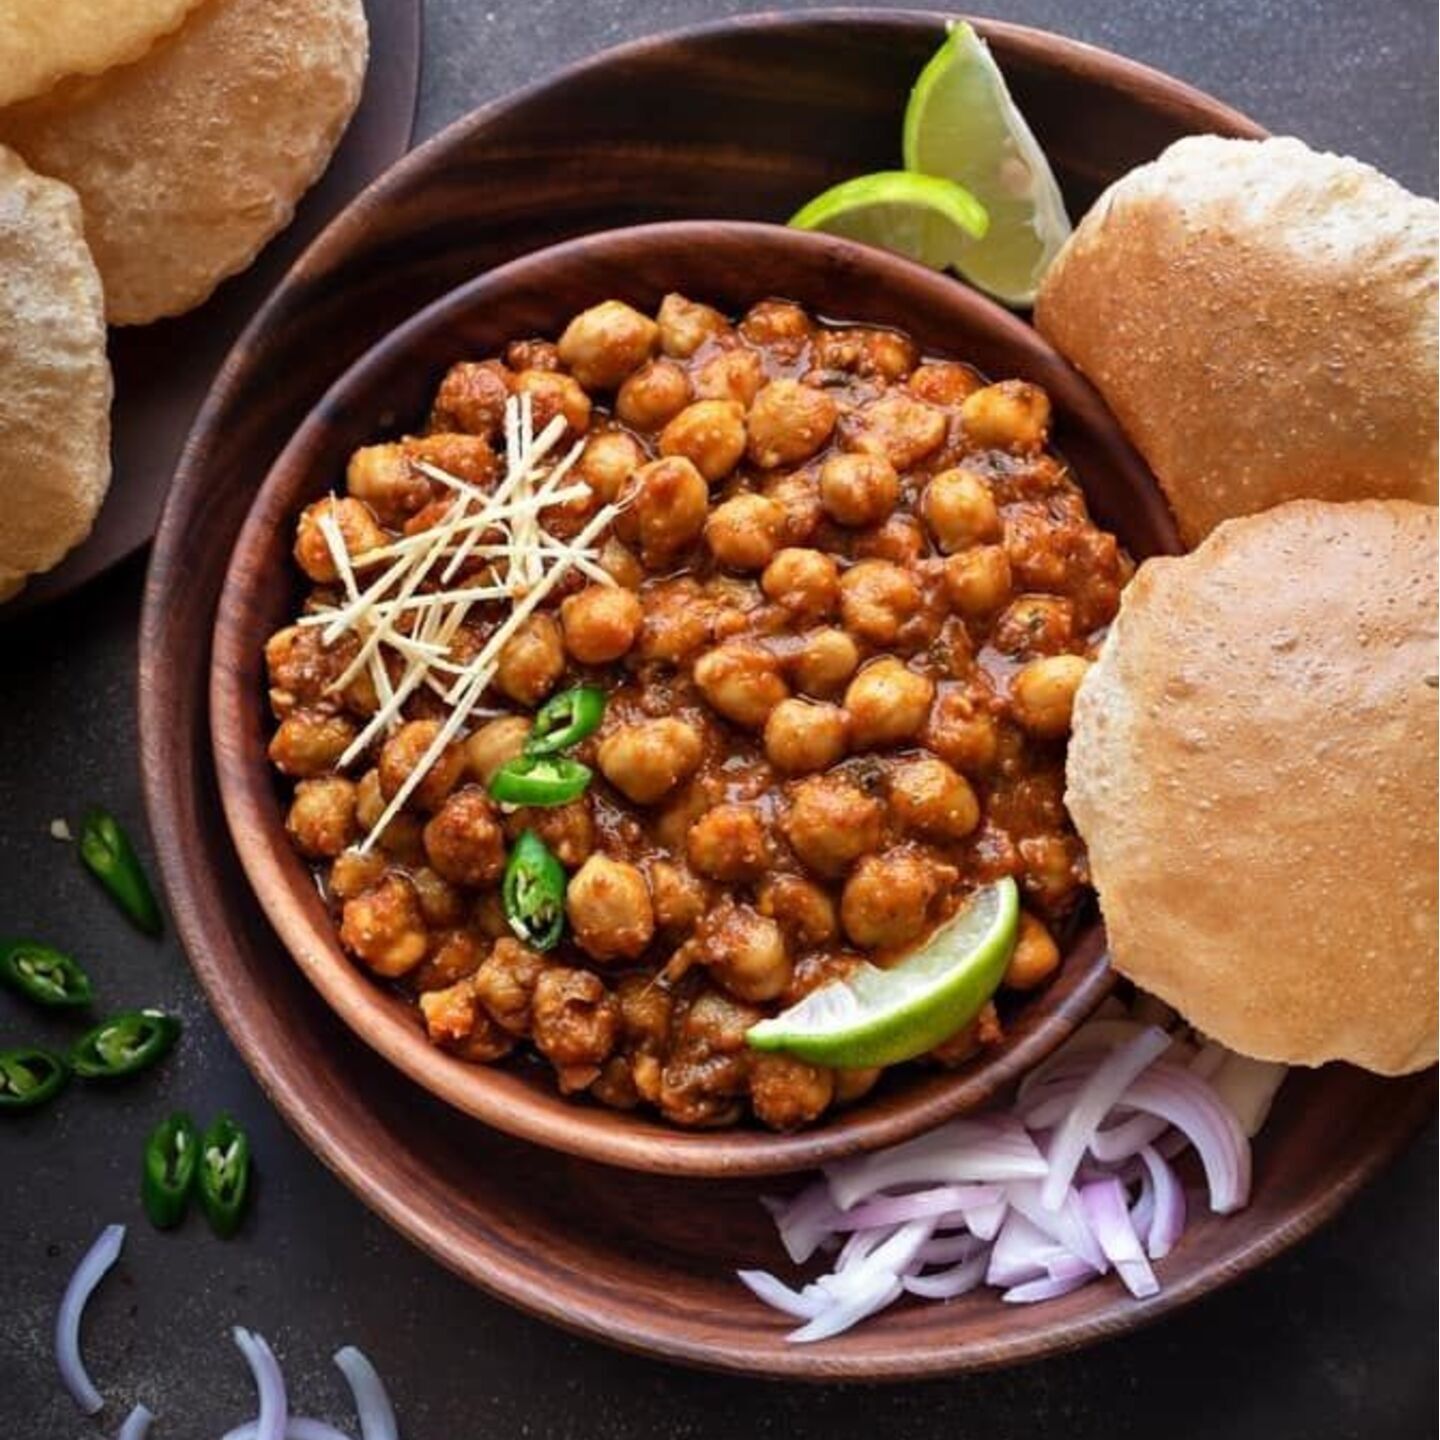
{"x": 43, "y": 974}
{"x": 533, "y": 893}
{"x": 29, "y": 1077}
{"x": 172, "y": 1157}
{"x": 540, "y": 780}
{"x": 111, "y": 858}
{"x": 224, "y": 1175}
{"x": 566, "y": 719}
{"x": 124, "y": 1044}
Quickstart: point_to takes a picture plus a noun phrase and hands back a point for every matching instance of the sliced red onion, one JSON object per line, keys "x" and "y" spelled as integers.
{"x": 1067, "y": 1276}
{"x": 1190, "y": 1105}
{"x": 805, "y": 1220}
{"x": 1167, "y": 1223}
{"x": 1022, "y": 1251}
{"x": 985, "y": 1220}
{"x": 1097, "y": 1097}
{"x": 101, "y": 1255}
{"x": 948, "y": 1249}
{"x": 1142, "y": 1212}
{"x": 921, "y": 1204}
{"x": 372, "y": 1404}
{"x": 297, "y": 1427}
{"x": 779, "y": 1296}
{"x": 269, "y": 1384}
{"x": 137, "y": 1424}
{"x": 948, "y": 1284}
{"x": 879, "y": 1292}
{"x": 1067, "y": 1226}
{"x": 1108, "y": 1211}
{"x": 893, "y": 1257}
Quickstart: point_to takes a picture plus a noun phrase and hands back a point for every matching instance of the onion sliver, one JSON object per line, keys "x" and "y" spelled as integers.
{"x": 1167, "y": 1223}
{"x": 137, "y": 1424}
{"x": 88, "y": 1274}
{"x": 1097, "y": 1098}
{"x": 297, "y": 1427}
{"x": 947, "y": 1284}
{"x": 372, "y": 1404}
{"x": 1108, "y": 1212}
{"x": 1190, "y": 1105}
{"x": 269, "y": 1384}
{"x": 779, "y": 1296}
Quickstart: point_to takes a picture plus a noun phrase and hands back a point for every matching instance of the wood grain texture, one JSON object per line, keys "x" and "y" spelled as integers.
{"x": 730, "y": 265}
{"x": 758, "y": 115}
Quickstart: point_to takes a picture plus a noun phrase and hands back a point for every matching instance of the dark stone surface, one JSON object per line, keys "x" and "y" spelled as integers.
{"x": 1336, "y": 1339}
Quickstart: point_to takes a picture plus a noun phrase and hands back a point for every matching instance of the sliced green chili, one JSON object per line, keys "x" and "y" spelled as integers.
{"x": 124, "y": 1044}
{"x": 224, "y": 1175}
{"x": 533, "y": 893}
{"x": 43, "y": 974}
{"x": 107, "y": 851}
{"x": 29, "y": 1077}
{"x": 172, "y": 1158}
{"x": 566, "y": 719}
{"x": 540, "y": 780}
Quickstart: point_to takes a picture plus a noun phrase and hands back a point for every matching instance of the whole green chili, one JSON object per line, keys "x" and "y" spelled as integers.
{"x": 172, "y": 1158}
{"x": 29, "y": 1077}
{"x": 107, "y": 851}
{"x": 43, "y": 974}
{"x": 224, "y": 1175}
{"x": 124, "y": 1044}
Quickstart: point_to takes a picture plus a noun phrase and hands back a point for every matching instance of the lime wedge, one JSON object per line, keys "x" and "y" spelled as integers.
{"x": 962, "y": 125}
{"x": 920, "y": 216}
{"x": 880, "y": 1017}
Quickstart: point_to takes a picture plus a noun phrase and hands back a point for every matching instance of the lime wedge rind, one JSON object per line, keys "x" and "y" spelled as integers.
{"x": 881, "y": 1017}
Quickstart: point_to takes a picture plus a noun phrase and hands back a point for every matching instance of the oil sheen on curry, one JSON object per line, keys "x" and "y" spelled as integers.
{"x": 672, "y": 670}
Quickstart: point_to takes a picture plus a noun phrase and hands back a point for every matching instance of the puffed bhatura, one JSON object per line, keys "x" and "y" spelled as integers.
{"x": 1253, "y": 769}
{"x": 1262, "y": 320}
{"x": 52, "y": 360}
{"x": 189, "y": 160}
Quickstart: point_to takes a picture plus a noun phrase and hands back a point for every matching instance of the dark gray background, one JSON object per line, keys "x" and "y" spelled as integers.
{"x": 1336, "y": 1339}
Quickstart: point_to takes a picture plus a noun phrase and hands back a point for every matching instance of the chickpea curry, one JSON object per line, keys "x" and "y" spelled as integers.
{"x": 802, "y": 614}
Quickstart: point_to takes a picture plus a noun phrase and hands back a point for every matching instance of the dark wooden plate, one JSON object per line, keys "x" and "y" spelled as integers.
{"x": 758, "y": 115}
{"x": 163, "y": 371}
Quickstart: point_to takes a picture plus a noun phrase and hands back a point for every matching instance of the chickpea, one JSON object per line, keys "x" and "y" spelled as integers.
{"x": 858, "y": 490}
{"x": 608, "y": 461}
{"x": 441, "y": 903}
{"x": 801, "y": 735}
{"x": 384, "y": 927}
{"x": 711, "y": 433}
{"x": 864, "y": 352}
{"x": 825, "y": 662}
{"x": 886, "y": 901}
{"x": 680, "y": 898}
{"x": 1035, "y": 625}
{"x": 800, "y": 907}
{"x": 651, "y": 397}
{"x": 788, "y": 423}
{"x": 804, "y": 582}
{"x": 551, "y": 395}
{"x": 575, "y": 1022}
{"x": 532, "y": 354}
{"x": 729, "y": 843}
{"x": 309, "y": 742}
{"x": 404, "y": 750}
{"x": 853, "y": 1085}
{"x": 676, "y": 623}
{"x": 301, "y": 667}
{"x": 608, "y": 903}
{"x": 900, "y": 540}
{"x": 978, "y": 581}
{"x": 448, "y": 1011}
{"x": 472, "y": 398}
{"x": 1042, "y": 695}
{"x": 403, "y": 838}
{"x": 928, "y": 797}
{"x": 673, "y": 823}
{"x": 620, "y": 564}
{"x": 455, "y": 956}
{"x": 742, "y": 681}
{"x": 962, "y": 732}
{"x": 786, "y": 1093}
{"x": 830, "y": 823}
{"x": 1011, "y": 415}
{"x": 466, "y": 457}
{"x": 745, "y": 951}
{"x": 505, "y": 983}
{"x": 731, "y": 375}
{"x": 464, "y": 841}
{"x": 358, "y": 533}
{"x": 353, "y": 873}
{"x": 489, "y": 747}
{"x": 901, "y": 428}
{"x": 877, "y": 597}
{"x": 798, "y": 495}
{"x": 744, "y": 532}
{"x": 944, "y": 382}
{"x": 600, "y": 623}
{"x": 321, "y": 821}
{"x": 531, "y": 661}
{"x": 1035, "y": 957}
{"x": 777, "y": 325}
{"x": 960, "y": 510}
{"x": 647, "y": 759}
{"x": 887, "y": 703}
{"x": 602, "y": 345}
{"x": 567, "y": 830}
{"x": 382, "y": 477}
{"x": 668, "y": 502}
{"x": 685, "y": 326}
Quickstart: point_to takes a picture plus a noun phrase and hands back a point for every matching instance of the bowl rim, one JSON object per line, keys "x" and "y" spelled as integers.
{"x": 495, "y": 1095}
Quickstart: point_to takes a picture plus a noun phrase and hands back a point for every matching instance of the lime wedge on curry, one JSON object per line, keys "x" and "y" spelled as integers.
{"x": 962, "y": 125}
{"x": 922, "y": 217}
{"x": 881, "y": 1017}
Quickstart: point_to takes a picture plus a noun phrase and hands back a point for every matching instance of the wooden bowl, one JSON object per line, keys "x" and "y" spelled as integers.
{"x": 729, "y": 265}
